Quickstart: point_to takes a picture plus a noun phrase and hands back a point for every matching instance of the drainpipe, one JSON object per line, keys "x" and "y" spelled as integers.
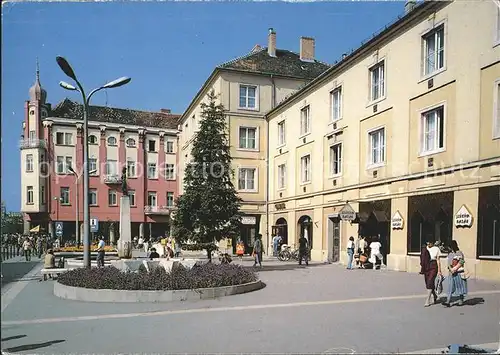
{"x": 273, "y": 105}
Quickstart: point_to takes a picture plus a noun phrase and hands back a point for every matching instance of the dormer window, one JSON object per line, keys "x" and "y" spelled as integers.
{"x": 111, "y": 141}
{"x": 131, "y": 142}
{"x": 92, "y": 139}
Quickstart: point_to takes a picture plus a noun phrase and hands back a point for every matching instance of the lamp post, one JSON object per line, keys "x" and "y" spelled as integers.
{"x": 77, "y": 217}
{"x": 68, "y": 70}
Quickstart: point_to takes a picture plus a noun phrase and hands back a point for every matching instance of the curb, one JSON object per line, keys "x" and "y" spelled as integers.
{"x": 140, "y": 296}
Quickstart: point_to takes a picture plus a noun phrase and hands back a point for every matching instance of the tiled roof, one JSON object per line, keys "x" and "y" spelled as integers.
{"x": 286, "y": 63}
{"x": 72, "y": 110}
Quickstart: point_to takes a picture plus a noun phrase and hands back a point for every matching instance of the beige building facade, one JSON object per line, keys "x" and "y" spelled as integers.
{"x": 406, "y": 131}
{"x": 249, "y": 87}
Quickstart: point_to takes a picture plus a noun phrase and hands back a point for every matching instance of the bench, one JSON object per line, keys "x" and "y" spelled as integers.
{"x": 56, "y": 271}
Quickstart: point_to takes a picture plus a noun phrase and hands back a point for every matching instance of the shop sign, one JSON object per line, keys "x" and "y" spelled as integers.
{"x": 248, "y": 220}
{"x": 397, "y": 221}
{"x": 347, "y": 213}
{"x": 280, "y": 206}
{"x": 463, "y": 218}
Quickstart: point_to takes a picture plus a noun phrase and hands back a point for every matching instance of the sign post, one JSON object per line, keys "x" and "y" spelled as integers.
{"x": 59, "y": 229}
{"x": 347, "y": 213}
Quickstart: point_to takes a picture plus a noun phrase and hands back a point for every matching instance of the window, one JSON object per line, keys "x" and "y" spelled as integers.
{"x": 336, "y": 99}
{"x": 246, "y": 179}
{"x": 248, "y": 96}
{"x": 112, "y": 141}
{"x": 377, "y": 146}
{"x": 305, "y": 121}
{"x": 111, "y": 167}
{"x": 170, "y": 147}
{"x": 305, "y": 169}
{"x": 336, "y": 159}
{"x": 281, "y": 133}
{"x": 29, "y": 163}
{"x": 432, "y": 128}
{"x": 433, "y": 43}
{"x": 92, "y": 166}
{"x": 112, "y": 198}
{"x": 64, "y": 196}
{"x": 60, "y": 165}
{"x": 496, "y": 110}
{"x": 131, "y": 195}
{"x": 281, "y": 176}
{"x": 29, "y": 195}
{"x": 32, "y": 135}
{"x": 152, "y": 199}
{"x": 377, "y": 80}
{"x": 130, "y": 142}
{"x": 93, "y": 197}
{"x": 151, "y": 146}
{"x": 92, "y": 139}
{"x": 69, "y": 164}
{"x": 130, "y": 168}
{"x": 248, "y": 137}
{"x": 170, "y": 199}
{"x": 151, "y": 170}
{"x": 64, "y": 138}
{"x": 169, "y": 172}
{"x": 42, "y": 195}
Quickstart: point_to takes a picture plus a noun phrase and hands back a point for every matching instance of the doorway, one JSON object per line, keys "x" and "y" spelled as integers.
{"x": 281, "y": 229}
{"x": 334, "y": 238}
{"x": 305, "y": 229}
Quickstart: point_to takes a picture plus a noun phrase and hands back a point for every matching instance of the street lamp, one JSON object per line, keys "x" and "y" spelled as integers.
{"x": 68, "y": 70}
{"x": 77, "y": 219}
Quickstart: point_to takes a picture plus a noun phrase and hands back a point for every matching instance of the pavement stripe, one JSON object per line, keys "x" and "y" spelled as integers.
{"x": 225, "y": 309}
{"x": 18, "y": 286}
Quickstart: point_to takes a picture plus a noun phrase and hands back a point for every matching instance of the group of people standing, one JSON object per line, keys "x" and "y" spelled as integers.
{"x": 365, "y": 255}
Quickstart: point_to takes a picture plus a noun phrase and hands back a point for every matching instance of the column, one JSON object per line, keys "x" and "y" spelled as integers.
{"x": 81, "y": 233}
{"x": 26, "y": 226}
{"x": 49, "y": 166}
{"x": 141, "y": 191}
{"x": 112, "y": 233}
{"x": 51, "y": 229}
{"x": 102, "y": 193}
{"x": 121, "y": 151}
{"x": 78, "y": 167}
{"x": 161, "y": 170}
{"x": 141, "y": 230}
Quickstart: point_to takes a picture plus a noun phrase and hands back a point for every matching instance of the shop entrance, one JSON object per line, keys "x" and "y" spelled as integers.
{"x": 488, "y": 231}
{"x": 334, "y": 238}
{"x": 281, "y": 229}
{"x": 374, "y": 221}
{"x": 305, "y": 229}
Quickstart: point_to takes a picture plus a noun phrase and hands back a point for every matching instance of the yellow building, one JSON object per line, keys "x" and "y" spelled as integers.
{"x": 248, "y": 87}
{"x": 406, "y": 131}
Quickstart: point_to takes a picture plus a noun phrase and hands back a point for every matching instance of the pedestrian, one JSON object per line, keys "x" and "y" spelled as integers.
{"x": 39, "y": 247}
{"x": 275, "y": 244}
{"x": 457, "y": 282}
{"x": 27, "y": 249}
{"x": 350, "y": 252}
{"x": 240, "y": 249}
{"x": 153, "y": 254}
{"x": 49, "y": 263}
{"x": 100, "y": 252}
{"x": 303, "y": 252}
{"x": 430, "y": 267}
{"x": 257, "y": 250}
{"x": 375, "y": 254}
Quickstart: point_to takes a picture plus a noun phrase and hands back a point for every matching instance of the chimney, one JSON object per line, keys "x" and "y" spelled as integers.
{"x": 410, "y": 5}
{"x": 307, "y": 49}
{"x": 165, "y": 110}
{"x": 271, "y": 43}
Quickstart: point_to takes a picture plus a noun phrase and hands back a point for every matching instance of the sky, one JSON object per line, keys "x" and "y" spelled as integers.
{"x": 168, "y": 49}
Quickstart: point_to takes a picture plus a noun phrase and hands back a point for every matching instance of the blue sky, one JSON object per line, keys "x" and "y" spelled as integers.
{"x": 168, "y": 48}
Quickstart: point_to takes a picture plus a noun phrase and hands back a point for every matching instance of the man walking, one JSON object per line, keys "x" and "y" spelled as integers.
{"x": 257, "y": 250}
{"x": 100, "y": 253}
{"x": 303, "y": 252}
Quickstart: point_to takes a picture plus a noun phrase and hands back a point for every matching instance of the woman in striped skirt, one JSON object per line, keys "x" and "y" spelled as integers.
{"x": 457, "y": 286}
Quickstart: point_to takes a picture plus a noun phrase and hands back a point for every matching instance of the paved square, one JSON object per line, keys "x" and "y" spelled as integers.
{"x": 315, "y": 309}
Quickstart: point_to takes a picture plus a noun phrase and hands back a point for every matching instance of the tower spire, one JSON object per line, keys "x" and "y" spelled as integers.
{"x": 37, "y": 70}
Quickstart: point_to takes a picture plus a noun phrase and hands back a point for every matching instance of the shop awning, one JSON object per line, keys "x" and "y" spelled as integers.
{"x": 380, "y": 216}
{"x": 35, "y": 229}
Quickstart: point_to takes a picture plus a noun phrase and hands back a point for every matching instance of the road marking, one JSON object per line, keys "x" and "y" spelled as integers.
{"x": 18, "y": 286}
{"x": 225, "y": 309}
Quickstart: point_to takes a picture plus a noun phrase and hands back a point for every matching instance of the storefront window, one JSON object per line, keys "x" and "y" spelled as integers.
{"x": 488, "y": 230}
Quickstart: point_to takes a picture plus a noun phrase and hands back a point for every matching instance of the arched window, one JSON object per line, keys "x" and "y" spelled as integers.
{"x": 131, "y": 142}
{"x": 111, "y": 141}
{"x": 92, "y": 139}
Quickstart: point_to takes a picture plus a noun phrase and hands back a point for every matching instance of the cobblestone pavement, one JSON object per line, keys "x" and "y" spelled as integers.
{"x": 317, "y": 309}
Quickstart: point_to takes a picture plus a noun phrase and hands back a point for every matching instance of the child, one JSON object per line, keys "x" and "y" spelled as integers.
{"x": 240, "y": 250}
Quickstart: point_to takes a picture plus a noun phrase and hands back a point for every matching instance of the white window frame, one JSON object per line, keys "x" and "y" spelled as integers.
{"x": 281, "y": 173}
{"x": 496, "y": 41}
{"x": 93, "y": 192}
{"x": 67, "y": 138}
{"x": 340, "y": 157}
{"x": 112, "y": 163}
{"x": 60, "y": 164}
{"x": 112, "y": 141}
{"x": 65, "y": 192}
{"x": 154, "y": 196}
{"x": 281, "y": 133}
{"x": 305, "y": 169}
{"x": 371, "y": 158}
{"x": 131, "y": 173}
{"x": 336, "y": 110}
{"x": 244, "y": 169}
{"x": 131, "y": 194}
{"x": 68, "y": 162}
{"x": 170, "y": 193}
{"x": 131, "y": 143}
{"x": 32, "y": 135}
{"x": 93, "y": 139}
{"x": 422, "y": 130}
{"x": 170, "y": 144}
{"x": 112, "y": 195}
{"x": 246, "y": 107}
{"x": 256, "y": 139}
{"x": 155, "y": 146}
{"x": 496, "y": 109}
{"x": 426, "y": 72}
{"x": 93, "y": 166}
{"x": 382, "y": 85}
{"x": 152, "y": 168}
{"x": 170, "y": 172}
{"x": 29, "y": 167}
{"x": 30, "y": 197}
{"x": 305, "y": 121}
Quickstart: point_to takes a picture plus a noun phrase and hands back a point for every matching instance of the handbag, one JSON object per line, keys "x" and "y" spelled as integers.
{"x": 465, "y": 274}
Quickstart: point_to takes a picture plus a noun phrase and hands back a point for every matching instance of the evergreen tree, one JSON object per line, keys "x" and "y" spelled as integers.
{"x": 209, "y": 209}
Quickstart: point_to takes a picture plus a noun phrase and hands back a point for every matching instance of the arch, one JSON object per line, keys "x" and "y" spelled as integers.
{"x": 305, "y": 229}
{"x": 92, "y": 139}
{"x": 131, "y": 142}
{"x": 111, "y": 140}
{"x": 281, "y": 228}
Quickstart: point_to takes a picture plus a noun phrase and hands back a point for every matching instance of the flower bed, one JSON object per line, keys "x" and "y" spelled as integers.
{"x": 203, "y": 276}
{"x": 80, "y": 249}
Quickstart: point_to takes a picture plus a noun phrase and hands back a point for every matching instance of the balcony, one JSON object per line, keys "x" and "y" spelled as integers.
{"x": 157, "y": 210}
{"x": 112, "y": 179}
{"x": 32, "y": 143}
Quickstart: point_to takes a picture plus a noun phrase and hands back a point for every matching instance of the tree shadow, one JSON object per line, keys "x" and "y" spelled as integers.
{"x": 33, "y": 346}
{"x": 14, "y": 337}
